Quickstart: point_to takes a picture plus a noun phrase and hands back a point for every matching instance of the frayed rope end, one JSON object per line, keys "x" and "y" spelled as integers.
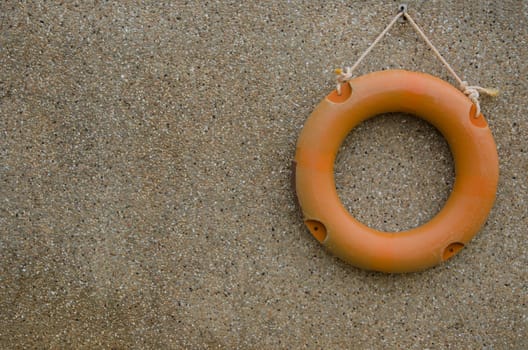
{"x": 491, "y": 92}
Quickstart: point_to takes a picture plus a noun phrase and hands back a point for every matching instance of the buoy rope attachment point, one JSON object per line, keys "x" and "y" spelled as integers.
{"x": 471, "y": 91}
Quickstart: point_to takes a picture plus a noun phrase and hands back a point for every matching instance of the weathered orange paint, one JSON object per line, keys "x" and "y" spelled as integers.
{"x": 476, "y": 167}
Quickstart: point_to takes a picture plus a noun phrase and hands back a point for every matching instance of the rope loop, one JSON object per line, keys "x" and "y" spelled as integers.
{"x": 472, "y": 92}
{"x": 343, "y": 76}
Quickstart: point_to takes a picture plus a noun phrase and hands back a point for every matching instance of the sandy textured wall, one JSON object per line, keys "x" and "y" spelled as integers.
{"x": 145, "y": 196}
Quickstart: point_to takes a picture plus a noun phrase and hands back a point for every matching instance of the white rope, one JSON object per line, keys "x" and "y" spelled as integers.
{"x": 346, "y": 75}
{"x": 471, "y": 91}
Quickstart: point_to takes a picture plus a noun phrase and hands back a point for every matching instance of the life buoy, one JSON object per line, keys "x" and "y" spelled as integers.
{"x": 472, "y": 146}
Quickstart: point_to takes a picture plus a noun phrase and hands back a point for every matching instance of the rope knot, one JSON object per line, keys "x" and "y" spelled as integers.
{"x": 473, "y": 93}
{"x": 343, "y": 76}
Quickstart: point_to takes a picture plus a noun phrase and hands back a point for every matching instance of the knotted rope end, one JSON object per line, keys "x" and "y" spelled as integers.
{"x": 473, "y": 93}
{"x": 493, "y": 92}
{"x": 343, "y": 76}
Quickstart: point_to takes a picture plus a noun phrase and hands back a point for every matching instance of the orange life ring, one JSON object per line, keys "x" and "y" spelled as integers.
{"x": 471, "y": 143}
